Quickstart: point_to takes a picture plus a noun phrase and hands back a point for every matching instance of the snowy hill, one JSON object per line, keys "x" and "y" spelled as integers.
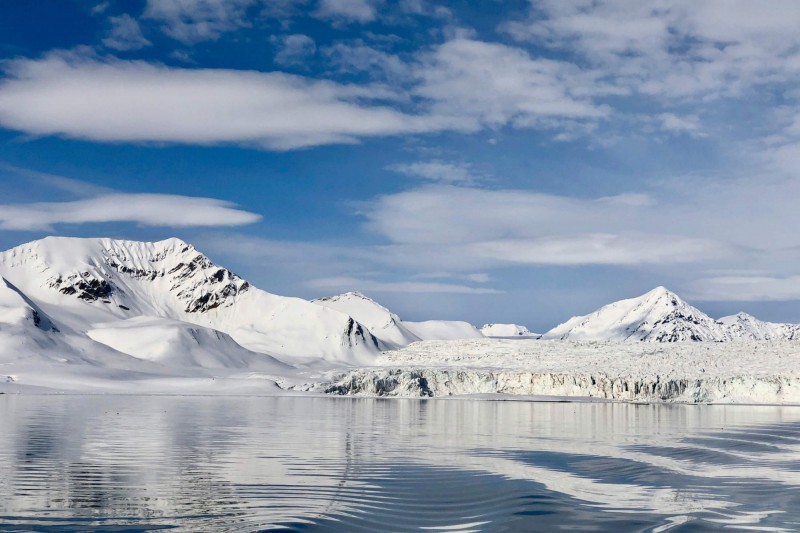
{"x": 84, "y": 282}
{"x": 389, "y": 328}
{"x": 662, "y": 316}
{"x": 506, "y": 330}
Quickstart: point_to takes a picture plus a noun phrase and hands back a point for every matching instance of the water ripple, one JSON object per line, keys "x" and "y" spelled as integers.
{"x": 83, "y": 463}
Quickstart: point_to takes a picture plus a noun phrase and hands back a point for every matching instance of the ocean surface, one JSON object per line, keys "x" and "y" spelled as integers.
{"x": 140, "y": 463}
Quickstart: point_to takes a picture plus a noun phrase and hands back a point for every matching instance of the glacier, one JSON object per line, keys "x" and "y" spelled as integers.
{"x": 690, "y": 372}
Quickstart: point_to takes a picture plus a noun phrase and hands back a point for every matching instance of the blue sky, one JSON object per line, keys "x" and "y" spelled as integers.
{"x": 494, "y": 161}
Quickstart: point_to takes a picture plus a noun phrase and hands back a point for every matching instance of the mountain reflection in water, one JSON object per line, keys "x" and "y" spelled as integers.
{"x": 132, "y": 463}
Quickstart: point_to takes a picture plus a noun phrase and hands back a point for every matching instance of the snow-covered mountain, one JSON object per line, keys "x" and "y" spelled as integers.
{"x": 662, "y": 316}
{"x": 507, "y": 330}
{"x": 748, "y": 328}
{"x": 88, "y": 285}
{"x": 389, "y": 328}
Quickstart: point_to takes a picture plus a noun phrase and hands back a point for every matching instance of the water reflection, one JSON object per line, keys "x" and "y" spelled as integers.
{"x": 72, "y": 463}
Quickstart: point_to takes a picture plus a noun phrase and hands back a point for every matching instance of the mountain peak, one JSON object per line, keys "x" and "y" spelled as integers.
{"x": 661, "y": 292}
{"x": 347, "y": 296}
{"x": 658, "y": 315}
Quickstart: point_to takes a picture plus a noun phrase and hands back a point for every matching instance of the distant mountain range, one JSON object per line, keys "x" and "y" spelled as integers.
{"x": 662, "y": 316}
{"x": 136, "y": 304}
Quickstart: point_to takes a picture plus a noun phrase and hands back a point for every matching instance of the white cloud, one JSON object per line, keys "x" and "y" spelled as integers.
{"x": 742, "y": 234}
{"x": 446, "y": 214}
{"x": 780, "y": 151}
{"x": 493, "y": 85}
{"x": 464, "y": 86}
{"x": 746, "y": 288}
{"x": 357, "y": 57}
{"x": 133, "y": 101}
{"x": 144, "y": 209}
{"x": 125, "y": 34}
{"x": 438, "y": 171}
{"x": 466, "y": 228}
{"x": 347, "y": 10}
{"x": 688, "y": 124}
{"x": 673, "y": 48}
{"x": 193, "y": 21}
{"x": 100, "y": 8}
{"x": 342, "y": 283}
{"x": 294, "y": 49}
{"x": 623, "y": 248}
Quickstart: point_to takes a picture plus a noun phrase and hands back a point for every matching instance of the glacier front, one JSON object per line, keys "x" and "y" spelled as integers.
{"x": 746, "y": 372}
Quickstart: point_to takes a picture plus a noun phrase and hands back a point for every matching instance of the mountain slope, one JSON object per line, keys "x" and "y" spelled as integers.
{"x": 381, "y": 322}
{"x": 90, "y": 281}
{"x": 388, "y": 327}
{"x": 658, "y": 316}
{"x": 31, "y": 340}
{"x": 443, "y": 330}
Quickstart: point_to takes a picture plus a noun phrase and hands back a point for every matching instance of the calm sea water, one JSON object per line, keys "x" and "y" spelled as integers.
{"x": 134, "y": 463}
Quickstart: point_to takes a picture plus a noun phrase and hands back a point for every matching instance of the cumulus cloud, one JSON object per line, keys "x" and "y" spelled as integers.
{"x": 294, "y": 49}
{"x": 125, "y": 34}
{"x": 193, "y": 21}
{"x": 347, "y": 10}
{"x": 440, "y": 171}
{"x": 358, "y": 57}
{"x": 144, "y": 209}
{"x": 673, "y": 48}
{"x": 495, "y": 84}
{"x": 689, "y": 124}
